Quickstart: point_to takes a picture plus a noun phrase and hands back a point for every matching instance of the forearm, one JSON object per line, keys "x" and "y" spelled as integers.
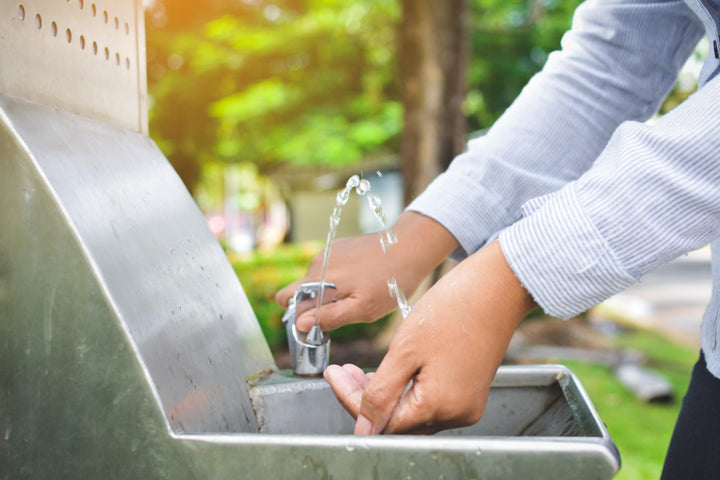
{"x": 423, "y": 244}
{"x": 652, "y": 195}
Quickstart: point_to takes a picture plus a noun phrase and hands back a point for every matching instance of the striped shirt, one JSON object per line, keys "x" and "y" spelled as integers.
{"x": 584, "y": 195}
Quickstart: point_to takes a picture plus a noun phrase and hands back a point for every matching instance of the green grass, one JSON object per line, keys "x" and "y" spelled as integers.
{"x": 640, "y": 430}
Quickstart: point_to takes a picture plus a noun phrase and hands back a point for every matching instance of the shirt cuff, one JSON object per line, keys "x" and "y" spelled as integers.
{"x": 465, "y": 208}
{"x": 560, "y": 257}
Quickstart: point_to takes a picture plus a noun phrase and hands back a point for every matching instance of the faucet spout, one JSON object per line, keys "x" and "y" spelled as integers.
{"x": 309, "y": 351}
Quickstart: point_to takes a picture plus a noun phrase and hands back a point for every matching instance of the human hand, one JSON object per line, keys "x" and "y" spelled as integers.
{"x": 449, "y": 347}
{"x": 360, "y": 270}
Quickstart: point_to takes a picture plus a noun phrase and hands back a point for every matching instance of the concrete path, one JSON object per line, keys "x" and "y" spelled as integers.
{"x": 672, "y": 299}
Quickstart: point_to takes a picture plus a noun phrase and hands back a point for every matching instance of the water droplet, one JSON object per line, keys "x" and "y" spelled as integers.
{"x": 379, "y": 173}
{"x": 335, "y": 218}
{"x": 375, "y": 203}
{"x": 352, "y": 182}
{"x": 363, "y": 187}
{"x": 349, "y": 447}
{"x": 342, "y": 197}
{"x": 376, "y": 208}
{"x": 387, "y": 238}
{"x": 399, "y": 296}
{"x": 478, "y": 452}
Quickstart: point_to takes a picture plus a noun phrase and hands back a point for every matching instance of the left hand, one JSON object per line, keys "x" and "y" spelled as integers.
{"x": 449, "y": 347}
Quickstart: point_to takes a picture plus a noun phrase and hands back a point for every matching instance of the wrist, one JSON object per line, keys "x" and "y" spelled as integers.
{"x": 423, "y": 244}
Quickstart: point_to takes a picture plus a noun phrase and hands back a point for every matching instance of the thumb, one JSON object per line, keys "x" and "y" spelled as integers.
{"x": 384, "y": 391}
{"x": 335, "y": 314}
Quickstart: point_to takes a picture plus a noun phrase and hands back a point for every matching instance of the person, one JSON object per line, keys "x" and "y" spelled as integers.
{"x": 570, "y": 198}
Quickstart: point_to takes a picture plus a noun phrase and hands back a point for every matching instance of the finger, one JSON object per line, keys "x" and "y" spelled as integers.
{"x": 347, "y": 390}
{"x": 411, "y": 413}
{"x": 419, "y": 412}
{"x": 333, "y": 315}
{"x": 357, "y": 373}
{"x": 384, "y": 390}
{"x": 282, "y": 297}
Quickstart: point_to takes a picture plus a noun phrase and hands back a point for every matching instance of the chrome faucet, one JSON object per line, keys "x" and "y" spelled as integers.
{"x": 309, "y": 351}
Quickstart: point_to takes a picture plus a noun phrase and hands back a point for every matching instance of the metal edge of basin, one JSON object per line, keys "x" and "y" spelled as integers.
{"x": 304, "y": 414}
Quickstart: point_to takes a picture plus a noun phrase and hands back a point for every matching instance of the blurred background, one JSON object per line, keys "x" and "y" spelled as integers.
{"x": 265, "y": 108}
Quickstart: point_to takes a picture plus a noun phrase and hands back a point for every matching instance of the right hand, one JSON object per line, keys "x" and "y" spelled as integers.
{"x": 360, "y": 270}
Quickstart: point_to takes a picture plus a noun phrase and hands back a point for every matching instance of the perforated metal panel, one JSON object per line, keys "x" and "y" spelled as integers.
{"x": 85, "y": 57}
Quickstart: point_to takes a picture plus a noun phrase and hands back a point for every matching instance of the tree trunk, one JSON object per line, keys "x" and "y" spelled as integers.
{"x": 434, "y": 49}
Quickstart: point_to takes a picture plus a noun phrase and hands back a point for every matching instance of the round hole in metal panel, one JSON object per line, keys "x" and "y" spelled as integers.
{"x": 127, "y": 63}
{"x": 107, "y": 53}
{"x": 68, "y": 35}
{"x": 117, "y": 24}
{"x": 94, "y": 10}
{"x": 127, "y": 28}
{"x": 21, "y": 12}
{"x": 53, "y": 29}
{"x": 117, "y": 59}
{"x": 38, "y": 21}
{"x": 82, "y": 42}
{"x": 95, "y": 48}
{"x": 82, "y": 4}
{"x": 105, "y": 15}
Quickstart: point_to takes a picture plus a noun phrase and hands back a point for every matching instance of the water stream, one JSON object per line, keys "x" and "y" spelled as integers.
{"x": 388, "y": 237}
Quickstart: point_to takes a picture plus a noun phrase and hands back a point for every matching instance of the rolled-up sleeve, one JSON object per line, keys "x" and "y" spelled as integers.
{"x": 652, "y": 195}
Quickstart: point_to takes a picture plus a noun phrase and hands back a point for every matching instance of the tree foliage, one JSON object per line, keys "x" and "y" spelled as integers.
{"x": 510, "y": 42}
{"x": 314, "y": 82}
{"x": 306, "y": 82}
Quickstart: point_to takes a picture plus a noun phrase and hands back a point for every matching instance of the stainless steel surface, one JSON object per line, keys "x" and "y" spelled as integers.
{"x": 165, "y": 279}
{"x": 285, "y": 404}
{"x": 309, "y": 352}
{"x": 82, "y": 56}
{"x": 538, "y": 424}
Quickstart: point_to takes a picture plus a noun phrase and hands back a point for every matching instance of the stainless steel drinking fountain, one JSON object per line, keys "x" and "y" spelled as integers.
{"x": 128, "y": 348}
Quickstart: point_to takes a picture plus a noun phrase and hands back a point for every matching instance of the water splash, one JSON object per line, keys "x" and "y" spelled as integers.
{"x": 399, "y": 296}
{"x": 388, "y": 237}
{"x": 315, "y": 336}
